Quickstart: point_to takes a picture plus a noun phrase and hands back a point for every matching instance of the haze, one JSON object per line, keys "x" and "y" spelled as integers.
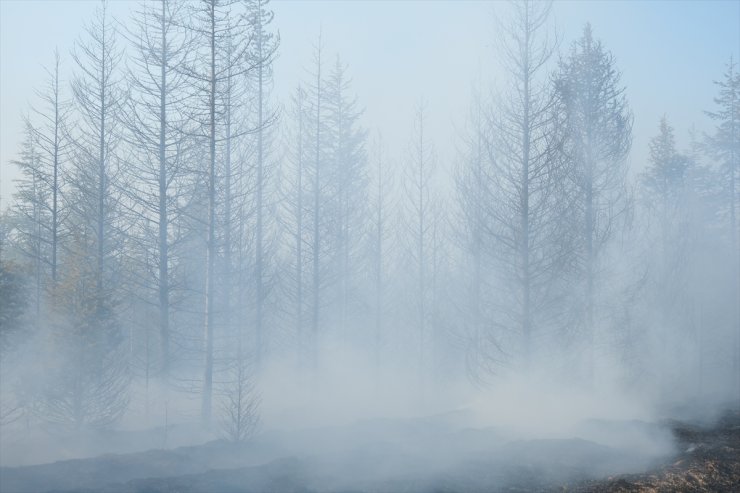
{"x": 372, "y": 246}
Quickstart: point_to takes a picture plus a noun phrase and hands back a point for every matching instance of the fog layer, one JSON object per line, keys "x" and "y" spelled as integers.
{"x": 196, "y": 266}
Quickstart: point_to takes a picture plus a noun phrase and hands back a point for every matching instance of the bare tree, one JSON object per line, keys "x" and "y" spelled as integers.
{"x": 524, "y": 217}
{"x": 157, "y": 134}
{"x": 239, "y": 408}
{"x": 38, "y": 212}
{"x": 51, "y": 136}
{"x": 317, "y": 190}
{"x": 98, "y": 98}
{"x": 222, "y": 41}
{"x": 264, "y": 48}
{"x": 473, "y": 196}
{"x": 93, "y": 376}
{"x": 381, "y": 231}
{"x": 420, "y": 224}
{"x": 293, "y": 219}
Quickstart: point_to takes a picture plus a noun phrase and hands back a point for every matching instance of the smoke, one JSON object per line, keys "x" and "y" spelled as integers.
{"x": 351, "y": 424}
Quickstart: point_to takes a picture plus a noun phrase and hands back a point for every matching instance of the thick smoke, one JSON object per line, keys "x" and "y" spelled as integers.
{"x": 229, "y": 285}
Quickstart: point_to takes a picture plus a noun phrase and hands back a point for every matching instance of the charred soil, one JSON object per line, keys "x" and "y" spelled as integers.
{"x": 708, "y": 461}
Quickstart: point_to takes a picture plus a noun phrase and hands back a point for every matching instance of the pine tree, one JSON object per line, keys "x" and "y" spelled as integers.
{"x": 89, "y": 378}
{"x": 664, "y": 183}
{"x": 33, "y": 217}
{"x": 347, "y": 177}
{"x": 724, "y": 147}
{"x": 598, "y": 126}
{"x": 294, "y": 220}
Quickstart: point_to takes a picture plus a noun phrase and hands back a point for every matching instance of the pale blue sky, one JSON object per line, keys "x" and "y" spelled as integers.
{"x": 668, "y": 52}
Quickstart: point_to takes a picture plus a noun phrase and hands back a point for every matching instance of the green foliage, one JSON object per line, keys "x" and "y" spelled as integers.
{"x": 667, "y": 168}
{"x": 13, "y": 294}
{"x": 89, "y": 375}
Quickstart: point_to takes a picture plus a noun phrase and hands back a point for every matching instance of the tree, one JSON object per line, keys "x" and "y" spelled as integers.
{"x": 265, "y": 46}
{"x": 294, "y": 218}
{"x": 346, "y": 182}
{"x": 380, "y": 234}
{"x": 14, "y": 329}
{"x": 664, "y": 176}
{"x": 51, "y": 137}
{"x": 666, "y": 194}
{"x": 317, "y": 192}
{"x": 91, "y": 380}
{"x": 38, "y": 209}
{"x": 667, "y": 167}
{"x": 420, "y": 226}
{"x": 239, "y": 408}
{"x": 32, "y": 215}
{"x": 98, "y": 100}
{"x": 598, "y": 126}
{"x": 13, "y": 291}
{"x": 155, "y": 121}
{"x": 88, "y": 384}
{"x": 222, "y": 39}
{"x": 473, "y": 195}
{"x": 724, "y": 146}
{"x": 526, "y": 212}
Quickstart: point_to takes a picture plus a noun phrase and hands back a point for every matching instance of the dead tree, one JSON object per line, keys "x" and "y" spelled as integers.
{"x": 221, "y": 41}
{"x": 525, "y": 213}
{"x": 419, "y": 225}
{"x": 157, "y": 134}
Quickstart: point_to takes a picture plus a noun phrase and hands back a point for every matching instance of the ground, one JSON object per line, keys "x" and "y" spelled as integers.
{"x": 708, "y": 461}
{"x": 421, "y": 455}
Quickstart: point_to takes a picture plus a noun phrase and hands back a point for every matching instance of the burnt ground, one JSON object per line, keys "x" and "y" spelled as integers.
{"x": 412, "y": 456}
{"x": 708, "y": 461}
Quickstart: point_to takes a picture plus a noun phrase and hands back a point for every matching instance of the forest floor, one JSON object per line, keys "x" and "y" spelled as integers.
{"x": 424, "y": 455}
{"x": 708, "y": 461}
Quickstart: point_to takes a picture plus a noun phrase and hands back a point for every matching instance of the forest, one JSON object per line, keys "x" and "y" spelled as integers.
{"x": 195, "y": 268}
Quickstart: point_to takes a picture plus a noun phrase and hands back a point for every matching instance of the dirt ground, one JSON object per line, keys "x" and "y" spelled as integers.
{"x": 709, "y": 461}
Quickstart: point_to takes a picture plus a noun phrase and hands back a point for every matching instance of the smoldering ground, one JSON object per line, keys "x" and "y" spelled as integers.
{"x": 360, "y": 429}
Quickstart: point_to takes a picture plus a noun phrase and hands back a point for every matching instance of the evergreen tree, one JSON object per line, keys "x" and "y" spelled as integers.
{"x": 724, "y": 147}
{"x": 666, "y": 193}
{"x": 598, "y": 129}
{"x": 347, "y": 175}
{"x": 89, "y": 378}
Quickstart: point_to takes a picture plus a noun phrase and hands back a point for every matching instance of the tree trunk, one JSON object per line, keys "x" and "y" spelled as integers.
{"x": 316, "y": 230}
{"x": 260, "y": 190}
{"x": 164, "y": 296}
{"x": 211, "y": 240}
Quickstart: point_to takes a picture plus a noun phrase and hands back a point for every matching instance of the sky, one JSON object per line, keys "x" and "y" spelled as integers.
{"x": 401, "y": 51}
